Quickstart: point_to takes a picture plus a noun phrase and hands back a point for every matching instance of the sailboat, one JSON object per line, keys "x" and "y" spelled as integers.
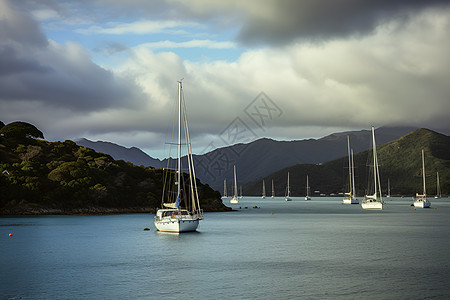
{"x": 235, "y": 198}
{"x": 421, "y": 199}
{"x": 181, "y": 207}
{"x": 273, "y": 191}
{"x": 308, "y": 190}
{"x": 438, "y": 187}
{"x": 240, "y": 192}
{"x": 287, "y": 197}
{"x": 372, "y": 201}
{"x": 389, "y": 190}
{"x": 224, "y": 189}
{"x": 350, "y": 198}
{"x": 264, "y": 191}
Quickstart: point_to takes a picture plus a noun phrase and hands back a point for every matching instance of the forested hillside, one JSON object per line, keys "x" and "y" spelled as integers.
{"x": 38, "y": 176}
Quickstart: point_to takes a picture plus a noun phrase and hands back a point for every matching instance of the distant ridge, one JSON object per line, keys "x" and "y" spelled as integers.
{"x": 133, "y": 154}
{"x": 399, "y": 160}
{"x": 258, "y": 158}
{"x": 265, "y": 156}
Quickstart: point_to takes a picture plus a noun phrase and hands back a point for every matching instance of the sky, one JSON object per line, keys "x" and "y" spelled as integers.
{"x": 283, "y": 69}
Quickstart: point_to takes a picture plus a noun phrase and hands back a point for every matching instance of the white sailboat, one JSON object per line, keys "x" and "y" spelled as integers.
{"x": 224, "y": 189}
{"x": 389, "y": 189}
{"x": 372, "y": 201}
{"x": 438, "y": 187}
{"x": 235, "y": 198}
{"x": 273, "y": 191}
{"x": 421, "y": 199}
{"x": 287, "y": 197}
{"x": 350, "y": 198}
{"x": 264, "y": 191}
{"x": 308, "y": 190}
{"x": 181, "y": 207}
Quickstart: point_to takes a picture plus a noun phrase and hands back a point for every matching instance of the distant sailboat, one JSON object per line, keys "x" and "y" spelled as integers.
{"x": 287, "y": 197}
{"x": 264, "y": 191}
{"x": 273, "y": 191}
{"x": 180, "y": 190}
{"x": 235, "y": 198}
{"x": 421, "y": 199}
{"x": 240, "y": 194}
{"x": 389, "y": 189}
{"x": 224, "y": 189}
{"x": 308, "y": 190}
{"x": 350, "y": 198}
{"x": 372, "y": 201}
{"x": 438, "y": 187}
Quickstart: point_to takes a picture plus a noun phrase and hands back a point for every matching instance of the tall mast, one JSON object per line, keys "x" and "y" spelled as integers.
{"x": 353, "y": 178}
{"x": 423, "y": 173}
{"x": 235, "y": 183}
{"x": 179, "y": 141}
{"x": 349, "y": 167}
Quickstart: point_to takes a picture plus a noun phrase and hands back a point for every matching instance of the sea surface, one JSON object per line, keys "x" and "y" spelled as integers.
{"x": 318, "y": 249}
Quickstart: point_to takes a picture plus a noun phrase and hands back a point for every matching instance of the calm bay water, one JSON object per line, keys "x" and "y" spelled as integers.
{"x": 306, "y": 249}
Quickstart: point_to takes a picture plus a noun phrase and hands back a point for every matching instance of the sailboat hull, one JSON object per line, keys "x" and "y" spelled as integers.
{"x": 350, "y": 201}
{"x": 177, "y": 226}
{"x": 375, "y": 205}
{"x": 422, "y": 203}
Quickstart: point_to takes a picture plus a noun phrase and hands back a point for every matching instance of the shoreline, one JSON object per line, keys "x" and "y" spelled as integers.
{"x": 37, "y": 211}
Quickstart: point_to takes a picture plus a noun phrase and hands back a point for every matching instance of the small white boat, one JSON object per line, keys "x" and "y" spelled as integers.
{"x": 181, "y": 207}
{"x": 421, "y": 199}
{"x": 350, "y": 198}
{"x": 287, "y": 196}
{"x": 372, "y": 201}
{"x": 308, "y": 189}
{"x": 235, "y": 198}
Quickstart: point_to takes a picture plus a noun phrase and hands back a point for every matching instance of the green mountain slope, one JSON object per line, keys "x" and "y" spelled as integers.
{"x": 38, "y": 176}
{"x": 399, "y": 161}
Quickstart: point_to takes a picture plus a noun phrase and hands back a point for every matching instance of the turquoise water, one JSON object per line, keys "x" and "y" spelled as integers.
{"x": 306, "y": 249}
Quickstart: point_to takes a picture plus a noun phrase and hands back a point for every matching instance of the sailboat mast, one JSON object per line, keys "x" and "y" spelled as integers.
{"x": 423, "y": 173}
{"x": 179, "y": 141}
{"x": 235, "y": 183}
{"x": 289, "y": 189}
{"x": 273, "y": 191}
{"x": 353, "y": 177}
{"x": 438, "y": 188}
{"x": 349, "y": 167}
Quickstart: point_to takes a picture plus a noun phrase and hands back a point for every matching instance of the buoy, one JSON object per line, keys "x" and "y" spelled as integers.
{"x": 414, "y": 209}
{"x": 10, "y": 234}
{"x": 435, "y": 208}
{"x": 272, "y": 213}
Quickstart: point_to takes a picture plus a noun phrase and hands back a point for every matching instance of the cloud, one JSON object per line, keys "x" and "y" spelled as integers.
{"x": 275, "y": 22}
{"x": 138, "y": 27}
{"x": 189, "y": 44}
{"x": 33, "y": 68}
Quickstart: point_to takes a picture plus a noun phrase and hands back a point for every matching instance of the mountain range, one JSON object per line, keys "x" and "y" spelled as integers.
{"x": 399, "y": 161}
{"x": 258, "y": 158}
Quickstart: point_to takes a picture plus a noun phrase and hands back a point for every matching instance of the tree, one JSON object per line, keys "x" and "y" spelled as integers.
{"x": 20, "y": 130}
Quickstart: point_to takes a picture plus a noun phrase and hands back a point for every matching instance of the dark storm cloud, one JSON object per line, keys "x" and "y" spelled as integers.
{"x": 312, "y": 20}
{"x": 33, "y": 69}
